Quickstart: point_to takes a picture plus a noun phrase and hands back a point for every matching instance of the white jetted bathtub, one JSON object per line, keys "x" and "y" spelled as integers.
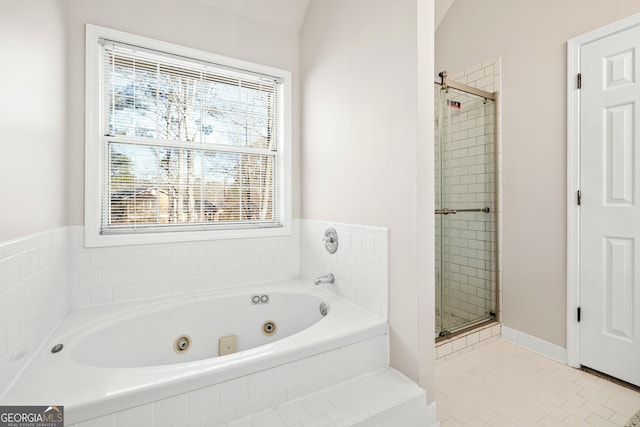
{"x": 115, "y": 357}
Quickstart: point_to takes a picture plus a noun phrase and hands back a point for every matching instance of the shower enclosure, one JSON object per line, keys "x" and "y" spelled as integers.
{"x": 466, "y": 201}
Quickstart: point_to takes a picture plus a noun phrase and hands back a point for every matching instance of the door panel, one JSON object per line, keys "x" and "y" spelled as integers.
{"x": 610, "y": 215}
{"x": 619, "y": 154}
{"x": 618, "y": 287}
{"x": 465, "y": 182}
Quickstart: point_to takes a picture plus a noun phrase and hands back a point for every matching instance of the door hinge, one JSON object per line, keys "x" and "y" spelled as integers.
{"x": 578, "y": 314}
{"x": 579, "y": 194}
{"x": 579, "y": 80}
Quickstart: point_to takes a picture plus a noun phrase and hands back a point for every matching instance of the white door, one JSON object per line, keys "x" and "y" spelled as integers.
{"x": 610, "y": 208}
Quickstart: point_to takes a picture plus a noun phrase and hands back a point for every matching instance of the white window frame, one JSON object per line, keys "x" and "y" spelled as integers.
{"x": 94, "y": 157}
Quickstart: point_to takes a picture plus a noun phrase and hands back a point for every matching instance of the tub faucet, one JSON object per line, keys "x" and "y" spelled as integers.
{"x": 325, "y": 278}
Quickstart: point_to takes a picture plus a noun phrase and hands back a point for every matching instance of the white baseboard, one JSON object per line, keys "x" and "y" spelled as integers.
{"x": 535, "y": 344}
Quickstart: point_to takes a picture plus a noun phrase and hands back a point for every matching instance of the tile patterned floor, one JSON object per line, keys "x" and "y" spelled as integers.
{"x": 500, "y": 384}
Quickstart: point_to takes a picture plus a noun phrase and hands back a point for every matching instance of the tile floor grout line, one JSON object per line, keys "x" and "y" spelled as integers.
{"x": 501, "y": 384}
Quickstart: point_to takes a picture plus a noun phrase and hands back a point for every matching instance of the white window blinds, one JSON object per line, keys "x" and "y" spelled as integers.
{"x": 186, "y": 144}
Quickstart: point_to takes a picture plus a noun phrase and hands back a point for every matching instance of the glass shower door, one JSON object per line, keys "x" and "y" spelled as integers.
{"x": 465, "y": 210}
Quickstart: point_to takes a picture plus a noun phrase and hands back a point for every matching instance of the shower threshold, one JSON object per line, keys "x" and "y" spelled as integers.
{"x": 468, "y": 326}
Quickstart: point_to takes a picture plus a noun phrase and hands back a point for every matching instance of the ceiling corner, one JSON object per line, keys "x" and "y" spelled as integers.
{"x": 441, "y": 9}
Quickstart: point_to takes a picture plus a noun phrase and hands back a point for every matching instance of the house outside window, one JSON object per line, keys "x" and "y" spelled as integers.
{"x": 183, "y": 144}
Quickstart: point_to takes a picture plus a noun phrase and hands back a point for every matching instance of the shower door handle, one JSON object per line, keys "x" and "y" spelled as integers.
{"x": 446, "y": 211}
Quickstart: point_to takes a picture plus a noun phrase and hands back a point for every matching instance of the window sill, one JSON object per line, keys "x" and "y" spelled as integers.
{"x": 93, "y": 239}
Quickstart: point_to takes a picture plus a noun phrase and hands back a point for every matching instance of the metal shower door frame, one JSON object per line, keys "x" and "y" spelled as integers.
{"x": 497, "y": 139}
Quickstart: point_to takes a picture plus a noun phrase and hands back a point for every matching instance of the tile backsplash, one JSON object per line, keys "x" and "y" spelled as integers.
{"x": 360, "y": 265}
{"x": 33, "y": 296}
{"x": 123, "y": 273}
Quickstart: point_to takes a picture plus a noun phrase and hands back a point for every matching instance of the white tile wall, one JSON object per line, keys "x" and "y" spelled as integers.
{"x": 485, "y": 76}
{"x": 380, "y": 398}
{"x": 470, "y": 170}
{"x": 42, "y": 276}
{"x": 490, "y": 80}
{"x": 373, "y": 399}
{"x": 251, "y": 394}
{"x": 105, "y": 275}
{"x": 33, "y": 297}
{"x": 466, "y": 342}
{"x": 360, "y": 265}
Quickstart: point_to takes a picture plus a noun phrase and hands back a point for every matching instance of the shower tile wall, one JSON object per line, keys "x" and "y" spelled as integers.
{"x": 485, "y": 76}
{"x": 469, "y": 182}
{"x": 469, "y": 237}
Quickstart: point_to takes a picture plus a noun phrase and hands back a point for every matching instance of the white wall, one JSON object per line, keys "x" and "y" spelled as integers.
{"x": 185, "y": 22}
{"x": 360, "y": 140}
{"x": 426, "y": 202}
{"x": 32, "y": 117}
{"x": 531, "y": 39}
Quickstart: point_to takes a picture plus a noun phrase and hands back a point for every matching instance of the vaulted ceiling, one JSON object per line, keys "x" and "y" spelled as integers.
{"x": 290, "y": 14}
{"x": 287, "y": 14}
{"x": 441, "y": 9}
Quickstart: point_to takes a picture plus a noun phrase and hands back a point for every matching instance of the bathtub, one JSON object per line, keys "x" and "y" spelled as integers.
{"x": 120, "y": 356}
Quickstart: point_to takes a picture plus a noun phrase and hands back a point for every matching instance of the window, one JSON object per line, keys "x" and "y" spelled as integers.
{"x": 182, "y": 144}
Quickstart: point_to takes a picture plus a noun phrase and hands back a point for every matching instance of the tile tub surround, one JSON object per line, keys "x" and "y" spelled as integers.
{"x": 380, "y": 398}
{"x": 116, "y": 274}
{"x": 348, "y": 342}
{"x": 100, "y": 276}
{"x": 360, "y": 265}
{"x": 125, "y": 273}
{"x": 33, "y": 297}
